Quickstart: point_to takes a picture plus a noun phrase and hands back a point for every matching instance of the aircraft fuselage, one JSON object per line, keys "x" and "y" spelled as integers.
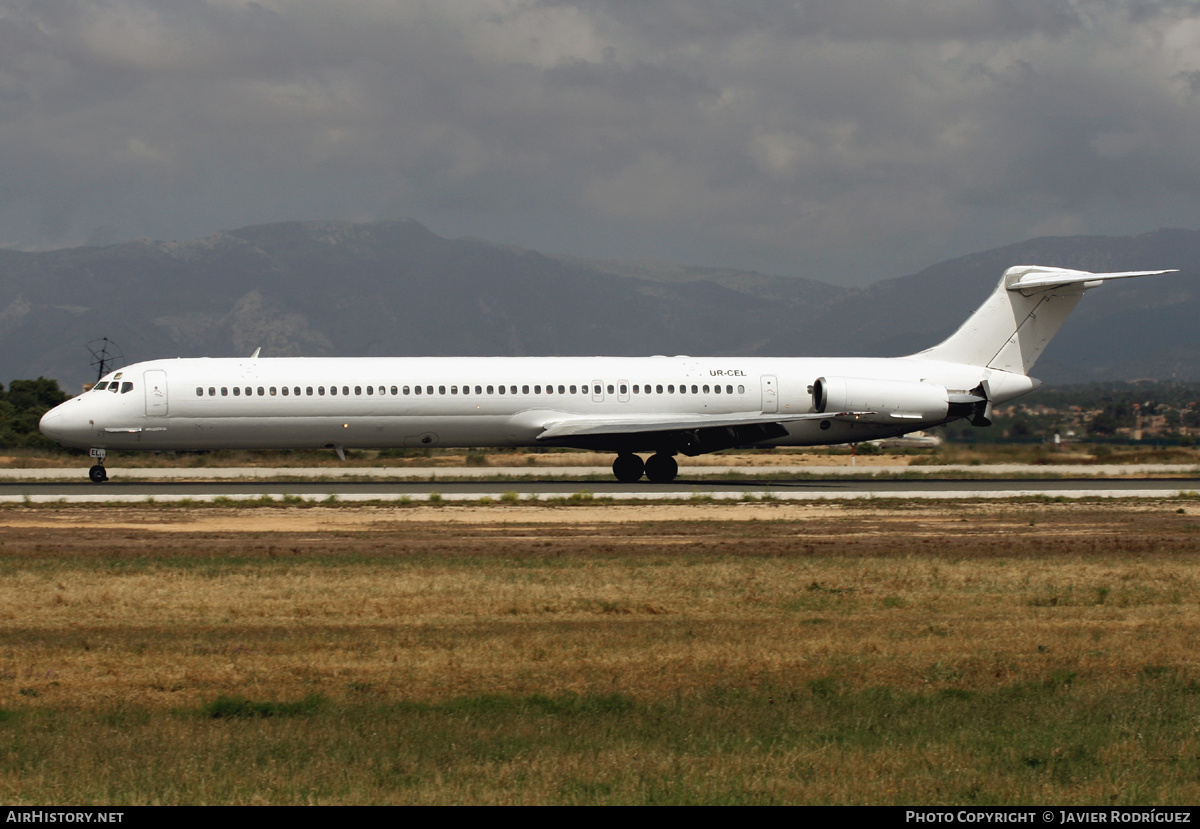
{"x": 301, "y": 403}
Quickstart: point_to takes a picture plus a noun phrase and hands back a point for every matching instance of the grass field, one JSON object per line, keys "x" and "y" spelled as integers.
{"x": 754, "y": 653}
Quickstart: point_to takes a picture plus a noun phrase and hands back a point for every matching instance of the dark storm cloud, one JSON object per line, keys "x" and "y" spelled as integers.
{"x": 847, "y": 140}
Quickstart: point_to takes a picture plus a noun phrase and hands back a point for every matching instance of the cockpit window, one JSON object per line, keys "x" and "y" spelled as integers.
{"x": 114, "y": 386}
{"x": 101, "y": 386}
{"x": 126, "y": 387}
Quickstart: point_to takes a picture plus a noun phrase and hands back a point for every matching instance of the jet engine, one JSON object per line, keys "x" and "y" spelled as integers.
{"x": 886, "y": 401}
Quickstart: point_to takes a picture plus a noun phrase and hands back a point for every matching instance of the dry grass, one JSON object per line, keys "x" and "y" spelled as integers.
{"x": 797, "y": 657}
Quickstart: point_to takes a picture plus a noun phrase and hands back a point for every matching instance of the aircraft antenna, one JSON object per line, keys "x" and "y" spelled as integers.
{"x": 105, "y": 353}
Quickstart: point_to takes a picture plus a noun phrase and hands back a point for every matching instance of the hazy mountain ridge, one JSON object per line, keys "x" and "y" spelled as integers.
{"x": 395, "y": 288}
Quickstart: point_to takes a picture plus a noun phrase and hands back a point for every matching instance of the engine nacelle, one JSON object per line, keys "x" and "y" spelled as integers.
{"x": 890, "y": 401}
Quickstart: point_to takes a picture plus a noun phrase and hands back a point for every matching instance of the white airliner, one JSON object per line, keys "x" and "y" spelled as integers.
{"x": 628, "y": 405}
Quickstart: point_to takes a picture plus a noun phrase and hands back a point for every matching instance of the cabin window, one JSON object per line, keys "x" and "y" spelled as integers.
{"x": 441, "y": 389}
{"x": 596, "y": 390}
{"x": 272, "y": 391}
{"x": 199, "y": 391}
{"x": 371, "y": 390}
{"x": 696, "y": 390}
{"x": 308, "y": 390}
{"x": 537, "y": 389}
{"x": 429, "y": 389}
{"x": 262, "y": 392}
{"x": 346, "y": 390}
{"x": 394, "y": 390}
{"x": 285, "y": 391}
{"x": 478, "y": 390}
{"x": 562, "y": 390}
{"x": 333, "y": 390}
{"x": 624, "y": 389}
{"x": 224, "y": 391}
{"x": 705, "y": 389}
{"x": 320, "y": 391}
{"x": 572, "y": 389}
{"x": 212, "y": 392}
{"x": 416, "y": 389}
{"x": 237, "y": 392}
{"x": 501, "y": 389}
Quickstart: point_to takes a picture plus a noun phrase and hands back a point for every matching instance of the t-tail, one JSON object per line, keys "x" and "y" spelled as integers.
{"x": 1012, "y": 328}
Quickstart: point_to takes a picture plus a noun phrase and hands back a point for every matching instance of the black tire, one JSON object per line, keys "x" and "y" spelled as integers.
{"x": 97, "y": 474}
{"x": 661, "y": 469}
{"x": 628, "y": 468}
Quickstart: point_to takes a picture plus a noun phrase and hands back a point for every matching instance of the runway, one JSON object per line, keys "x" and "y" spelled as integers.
{"x": 544, "y": 487}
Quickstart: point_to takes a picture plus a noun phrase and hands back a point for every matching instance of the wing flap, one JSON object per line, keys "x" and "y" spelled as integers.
{"x": 641, "y": 424}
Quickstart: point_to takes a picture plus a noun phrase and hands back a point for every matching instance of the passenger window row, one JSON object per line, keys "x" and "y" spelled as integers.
{"x": 345, "y": 391}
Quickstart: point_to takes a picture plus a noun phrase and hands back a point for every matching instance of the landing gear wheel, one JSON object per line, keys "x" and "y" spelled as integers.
{"x": 628, "y": 468}
{"x": 97, "y": 474}
{"x": 661, "y": 469}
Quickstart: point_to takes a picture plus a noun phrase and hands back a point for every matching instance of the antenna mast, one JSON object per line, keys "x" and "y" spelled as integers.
{"x": 105, "y": 353}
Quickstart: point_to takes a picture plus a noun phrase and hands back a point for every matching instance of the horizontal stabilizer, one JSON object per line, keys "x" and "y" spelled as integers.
{"x": 1036, "y": 278}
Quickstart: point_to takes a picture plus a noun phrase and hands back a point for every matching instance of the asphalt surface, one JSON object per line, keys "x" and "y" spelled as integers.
{"x": 548, "y": 487}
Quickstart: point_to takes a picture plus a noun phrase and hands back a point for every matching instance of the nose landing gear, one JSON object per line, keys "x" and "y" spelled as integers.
{"x": 97, "y": 473}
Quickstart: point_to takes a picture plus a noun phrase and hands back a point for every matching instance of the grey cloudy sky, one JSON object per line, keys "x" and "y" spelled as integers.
{"x": 844, "y": 140}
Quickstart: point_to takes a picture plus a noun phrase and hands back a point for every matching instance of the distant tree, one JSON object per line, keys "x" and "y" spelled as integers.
{"x": 1104, "y": 423}
{"x": 22, "y": 407}
{"x": 1020, "y": 429}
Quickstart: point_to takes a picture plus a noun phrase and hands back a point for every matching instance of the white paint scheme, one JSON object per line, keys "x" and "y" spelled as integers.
{"x": 774, "y": 401}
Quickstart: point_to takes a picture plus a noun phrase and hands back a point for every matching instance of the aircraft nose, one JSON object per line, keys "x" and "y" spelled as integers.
{"x": 51, "y": 424}
{"x": 66, "y": 424}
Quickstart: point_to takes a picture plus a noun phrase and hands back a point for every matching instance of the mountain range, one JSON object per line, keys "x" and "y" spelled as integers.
{"x": 395, "y": 288}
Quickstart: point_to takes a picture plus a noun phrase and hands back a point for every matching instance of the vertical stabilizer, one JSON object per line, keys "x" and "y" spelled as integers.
{"x": 1013, "y": 326}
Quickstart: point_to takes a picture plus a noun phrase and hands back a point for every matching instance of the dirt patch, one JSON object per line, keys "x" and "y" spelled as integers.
{"x": 267, "y": 519}
{"x": 305, "y": 519}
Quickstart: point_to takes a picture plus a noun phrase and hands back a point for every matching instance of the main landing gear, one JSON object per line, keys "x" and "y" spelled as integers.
{"x": 660, "y": 468}
{"x": 97, "y": 472}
